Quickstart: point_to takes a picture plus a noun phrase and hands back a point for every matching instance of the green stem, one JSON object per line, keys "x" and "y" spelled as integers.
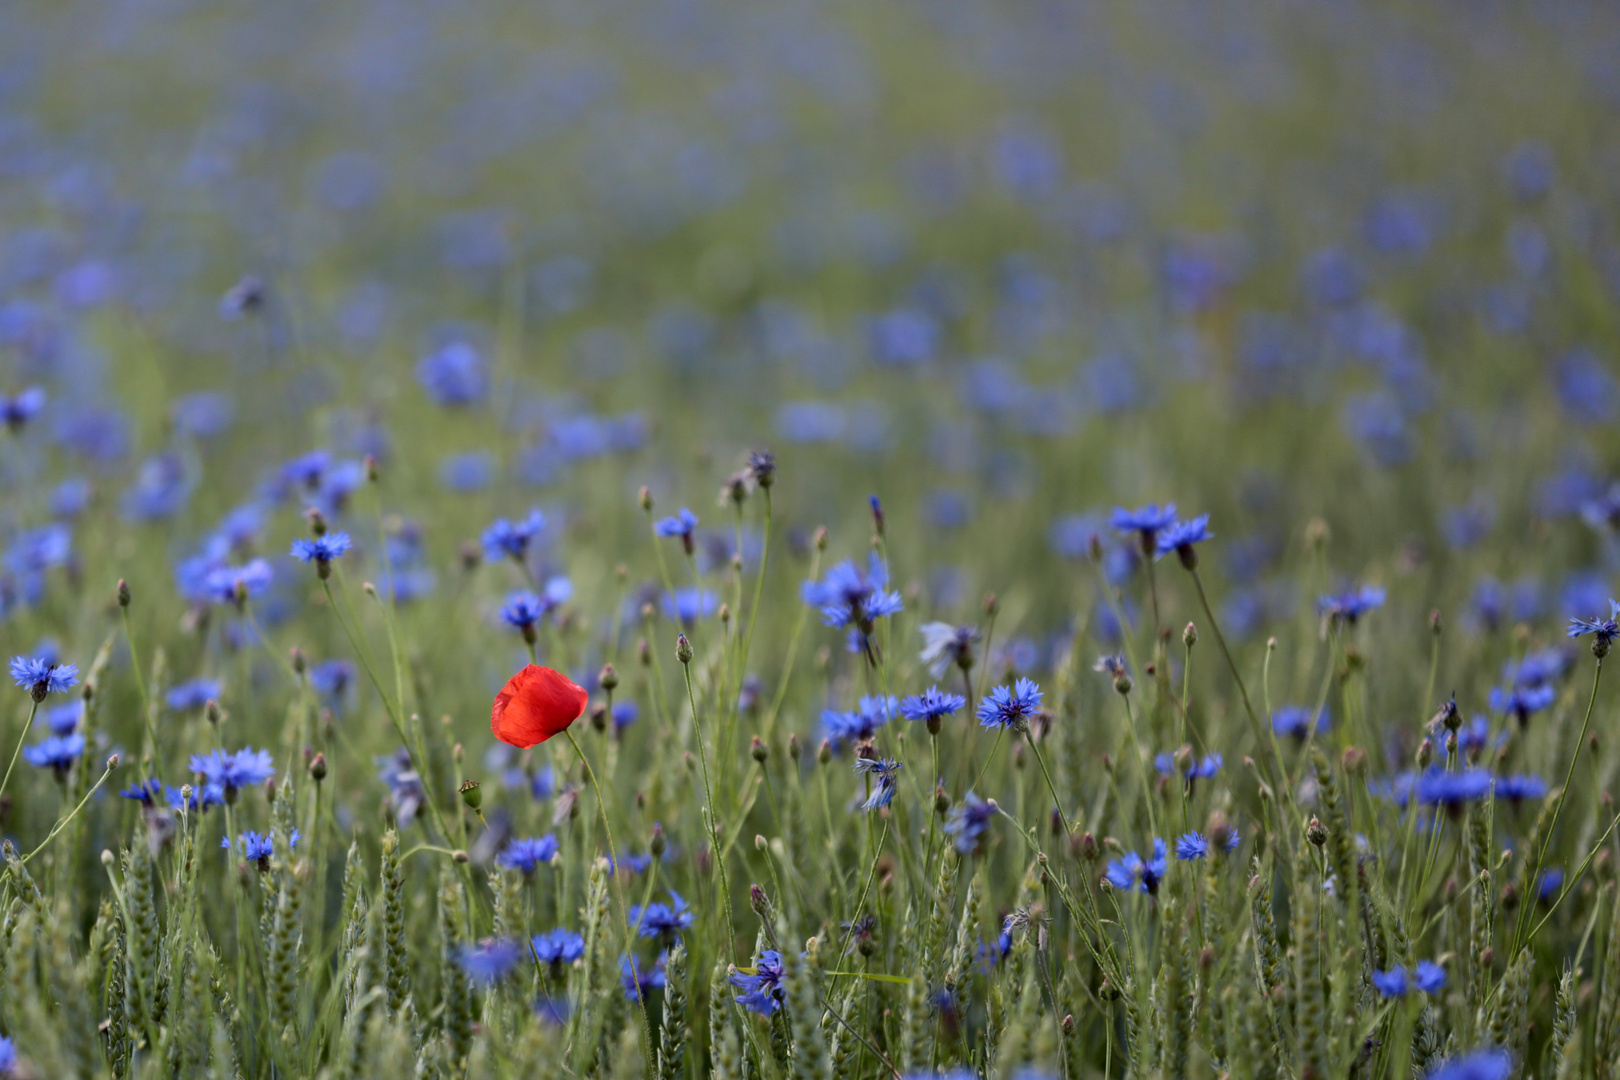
{"x": 33, "y": 711}
{"x": 708, "y": 793}
{"x": 62, "y": 824}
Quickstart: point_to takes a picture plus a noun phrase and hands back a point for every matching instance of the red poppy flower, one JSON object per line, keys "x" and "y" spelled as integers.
{"x": 534, "y": 705}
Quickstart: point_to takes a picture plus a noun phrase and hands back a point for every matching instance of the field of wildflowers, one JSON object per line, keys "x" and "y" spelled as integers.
{"x": 1002, "y": 539}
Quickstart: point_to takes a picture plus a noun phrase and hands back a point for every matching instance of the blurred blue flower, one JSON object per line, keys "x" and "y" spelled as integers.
{"x": 194, "y": 694}
{"x": 558, "y": 947}
{"x": 489, "y": 961}
{"x": 506, "y": 539}
{"x": 467, "y": 472}
{"x": 527, "y": 854}
{"x": 57, "y": 752}
{"x": 967, "y": 822}
{"x": 454, "y": 375}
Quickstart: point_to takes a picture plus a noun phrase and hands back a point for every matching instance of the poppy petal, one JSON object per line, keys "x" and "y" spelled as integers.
{"x": 534, "y": 705}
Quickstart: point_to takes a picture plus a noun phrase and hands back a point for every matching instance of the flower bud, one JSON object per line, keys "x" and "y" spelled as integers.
{"x": 824, "y": 751}
{"x": 123, "y": 593}
{"x": 656, "y": 844}
{"x": 317, "y": 768}
{"x": 211, "y": 711}
{"x": 472, "y": 794}
{"x": 1316, "y": 832}
{"x": 599, "y": 717}
{"x": 1122, "y": 684}
{"x": 683, "y": 649}
{"x": 644, "y": 652}
{"x": 373, "y": 473}
{"x": 992, "y": 604}
{"x": 112, "y": 762}
{"x": 759, "y": 842}
{"x": 1189, "y": 635}
{"x": 794, "y": 749}
{"x": 609, "y": 679}
{"x": 461, "y": 856}
{"x": 646, "y": 499}
{"x": 758, "y": 750}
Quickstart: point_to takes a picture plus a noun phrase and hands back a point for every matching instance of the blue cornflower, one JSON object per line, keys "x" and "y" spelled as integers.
{"x": 42, "y": 677}
{"x": 762, "y": 988}
{"x": 1146, "y": 522}
{"x": 505, "y": 539}
{"x": 637, "y": 980}
{"x": 688, "y": 604}
{"x": 1438, "y": 787}
{"x": 1391, "y": 983}
{"x": 1519, "y": 787}
{"x": 886, "y": 770}
{"x": 488, "y": 962}
{"x": 57, "y": 752}
{"x": 330, "y": 679}
{"x": 1603, "y": 631}
{"x": 945, "y": 646}
{"x": 1295, "y": 721}
{"x": 321, "y": 550}
{"x": 1132, "y": 871}
{"x": 1473, "y": 735}
{"x": 1180, "y": 536}
{"x": 967, "y": 822}
{"x": 202, "y": 797}
{"x": 1488, "y": 1064}
{"x": 1541, "y": 666}
{"x": 624, "y": 714}
{"x": 144, "y": 793}
{"x": 61, "y": 719}
{"x": 558, "y": 947}
{"x": 454, "y": 375}
{"x": 20, "y": 408}
{"x": 1010, "y": 706}
{"x": 1520, "y": 701}
{"x": 527, "y": 854}
{"x": 1191, "y": 846}
{"x": 1552, "y": 879}
{"x": 681, "y": 525}
{"x": 931, "y": 704}
{"x": 234, "y": 584}
{"x": 1429, "y": 977}
{"x": 849, "y": 596}
{"x": 1351, "y": 604}
{"x": 1195, "y": 769}
{"x": 256, "y": 847}
{"x": 194, "y": 694}
{"x": 872, "y": 713}
{"x": 522, "y": 610}
{"x": 244, "y": 768}
{"x": 664, "y": 921}
{"x": 551, "y": 1010}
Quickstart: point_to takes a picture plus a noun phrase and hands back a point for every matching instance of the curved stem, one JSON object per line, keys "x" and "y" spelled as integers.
{"x": 22, "y": 738}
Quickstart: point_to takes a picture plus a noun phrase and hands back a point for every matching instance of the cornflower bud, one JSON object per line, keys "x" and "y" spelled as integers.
{"x": 758, "y": 750}
{"x": 123, "y": 593}
{"x": 683, "y": 649}
{"x": 1189, "y": 635}
{"x": 1316, "y": 832}
{"x": 609, "y": 679}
